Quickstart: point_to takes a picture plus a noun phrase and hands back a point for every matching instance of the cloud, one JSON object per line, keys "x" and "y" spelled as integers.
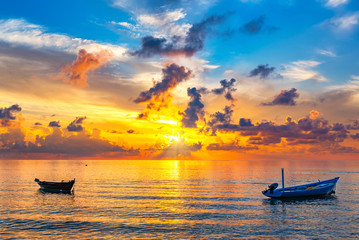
{"x": 310, "y": 130}
{"x": 345, "y": 95}
{"x": 301, "y": 71}
{"x": 285, "y": 97}
{"x": 173, "y": 74}
{"x": 177, "y": 45}
{"x": 194, "y": 109}
{"x": 198, "y": 32}
{"x": 125, "y": 24}
{"x": 335, "y": 3}
{"x": 7, "y": 115}
{"x": 19, "y": 32}
{"x": 227, "y": 88}
{"x": 326, "y": 53}
{"x": 54, "y": 124}
{"x": 224, "y": 117}
{"x": 115, "y": 132}
{"x": 263, "y": 71}
{"x": 354, "y": 125}
{"x": 351, "y": 86}
{"x": 77, "y": 72}
{"x": 221, "y": 118}
{"x": 12, "y": 141}
{"x": 151, "y": 46}
{"x": 344, "y": 23}
{"x": 56, "y": 145}
{"x": 158, "y": 97}
{"x": 161, "y": 19}
{"x": 255, "y": 26}
{"x": 164, "y": 23}
{"x": 180, "y": 149}
{"x": 138, "y": 7}
{"x": 230, "y": 147}
{"x": 75, "y": 125}
{"x": 245, "y": 122}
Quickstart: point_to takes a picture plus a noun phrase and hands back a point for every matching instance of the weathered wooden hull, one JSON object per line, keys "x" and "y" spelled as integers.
{"x": 56, "y": 186}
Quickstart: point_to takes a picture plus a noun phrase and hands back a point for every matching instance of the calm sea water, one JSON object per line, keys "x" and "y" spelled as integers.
{"x": 175, "y": 200}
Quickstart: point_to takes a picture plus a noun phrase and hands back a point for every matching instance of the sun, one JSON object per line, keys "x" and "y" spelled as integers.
{"x": 175, "y": 137}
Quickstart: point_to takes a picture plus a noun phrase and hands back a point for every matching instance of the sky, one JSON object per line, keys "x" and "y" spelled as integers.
{"x": 180, "y": 79}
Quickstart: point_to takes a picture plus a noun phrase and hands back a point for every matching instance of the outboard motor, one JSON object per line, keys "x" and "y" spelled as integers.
{"x": 272, "y": 187}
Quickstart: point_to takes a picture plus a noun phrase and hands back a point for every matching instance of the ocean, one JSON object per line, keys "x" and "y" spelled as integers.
{"x": 175, "y": 199}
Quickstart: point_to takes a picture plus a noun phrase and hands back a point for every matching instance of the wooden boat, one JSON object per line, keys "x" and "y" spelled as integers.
{"x": 320, "y": 188}
{"x": 56, "y": 186}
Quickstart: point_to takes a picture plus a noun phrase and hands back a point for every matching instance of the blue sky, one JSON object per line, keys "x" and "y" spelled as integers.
{"x": 306, "y": 29}
{"x": 296, "y": 58}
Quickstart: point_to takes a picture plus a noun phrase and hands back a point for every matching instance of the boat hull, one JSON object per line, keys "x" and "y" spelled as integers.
{"x": 56, "y": 186}
{"x": 321, "y": 188}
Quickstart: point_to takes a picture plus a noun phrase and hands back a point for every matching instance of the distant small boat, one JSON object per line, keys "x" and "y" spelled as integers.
{"x": 320, "y": 188}
{"x": 56, "y": 186}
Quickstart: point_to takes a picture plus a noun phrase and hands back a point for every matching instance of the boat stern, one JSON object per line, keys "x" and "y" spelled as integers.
{"x": 275, "y": 194}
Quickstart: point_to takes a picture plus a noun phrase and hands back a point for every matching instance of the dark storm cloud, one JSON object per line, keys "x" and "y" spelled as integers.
{"x": 245, "y": 122}
{"x": 74, "y": 128}
{"x": 193, "y": 42}
{"x": 221, "y": 118}
{"x": 173, "y": 74}
{"x": 263, "y": 71}
{"x": 264, "y": 140}
{"x": 285, "y": 97}
{"x": 227, "y": 88}
{"x": 143, "y": 115}
{"x": 354, "y": 125}
{"x": 194, "y": 109}
{"x": 54, "y": 124}
{"x": 256, "y": 25}
{"x": 75, "y": 125}
{"x": 151, "y": 46}
{"x": 198, "y": 32}
{"x": 7, "y": 114}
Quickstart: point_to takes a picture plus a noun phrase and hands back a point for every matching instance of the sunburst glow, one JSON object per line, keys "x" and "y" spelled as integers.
{"x": 172, "y": 138}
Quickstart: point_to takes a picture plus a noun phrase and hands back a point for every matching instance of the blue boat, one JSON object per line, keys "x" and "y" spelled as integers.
{"x": 320, "y": 188}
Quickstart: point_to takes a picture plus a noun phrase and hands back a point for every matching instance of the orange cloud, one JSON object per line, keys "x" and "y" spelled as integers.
{"x": 314, "y": 114}
{"x": 85, "y": 62}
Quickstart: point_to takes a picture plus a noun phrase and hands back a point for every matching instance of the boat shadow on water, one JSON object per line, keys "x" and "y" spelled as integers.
{"x": 55, "y": 199}
{"x": 52, "y": 191}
